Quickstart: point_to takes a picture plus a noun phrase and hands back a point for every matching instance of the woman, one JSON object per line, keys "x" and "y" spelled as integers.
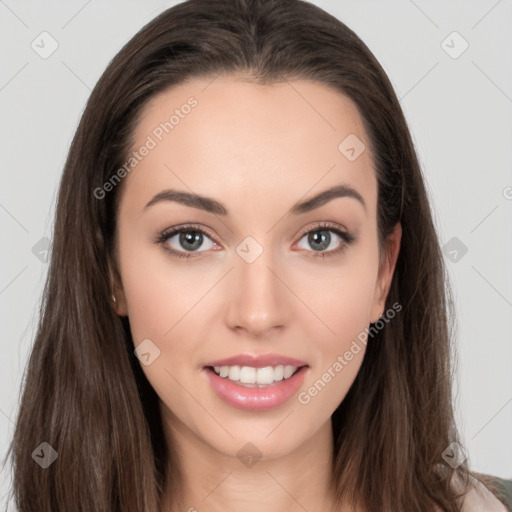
{"x": 246, "y": 304}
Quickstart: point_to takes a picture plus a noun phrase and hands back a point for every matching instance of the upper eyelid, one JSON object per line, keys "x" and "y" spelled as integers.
{"x": 326, "y": 225}
{"x": 170, "y": 232}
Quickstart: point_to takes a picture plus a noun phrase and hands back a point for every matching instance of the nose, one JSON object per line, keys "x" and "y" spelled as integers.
{"x": 258, "y": 300}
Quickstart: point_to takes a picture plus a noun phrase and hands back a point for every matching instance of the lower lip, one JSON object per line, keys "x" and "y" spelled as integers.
{"x": 256, "y": 399}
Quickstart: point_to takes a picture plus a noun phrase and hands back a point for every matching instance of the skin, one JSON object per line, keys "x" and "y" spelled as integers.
{"x": 258, "y": 150}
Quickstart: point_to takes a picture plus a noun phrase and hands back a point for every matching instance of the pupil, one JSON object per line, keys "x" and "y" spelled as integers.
{"x": 321, "y": 238}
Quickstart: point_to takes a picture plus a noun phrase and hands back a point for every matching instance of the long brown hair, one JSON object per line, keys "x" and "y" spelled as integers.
{"x": 84, "y": 391}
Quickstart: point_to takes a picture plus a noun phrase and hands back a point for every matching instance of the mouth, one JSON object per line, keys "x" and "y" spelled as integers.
{"x": 256, "y": 382}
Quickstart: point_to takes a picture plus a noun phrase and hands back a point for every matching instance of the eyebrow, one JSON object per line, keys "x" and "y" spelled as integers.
{"x": 212, "y": 206}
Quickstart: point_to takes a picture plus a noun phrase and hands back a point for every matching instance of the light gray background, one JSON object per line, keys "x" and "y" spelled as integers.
{"x": 459, "y": 112}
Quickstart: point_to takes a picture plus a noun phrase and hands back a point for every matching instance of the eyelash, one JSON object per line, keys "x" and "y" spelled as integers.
{"x": 346, "y": 237}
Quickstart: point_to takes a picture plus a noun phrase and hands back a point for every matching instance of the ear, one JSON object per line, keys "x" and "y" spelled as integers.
{"x": 386, "y": 270}
{"x": 119, "y": 305}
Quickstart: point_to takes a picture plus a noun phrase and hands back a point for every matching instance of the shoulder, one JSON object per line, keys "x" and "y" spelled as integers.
{"x": 480, "y": 497}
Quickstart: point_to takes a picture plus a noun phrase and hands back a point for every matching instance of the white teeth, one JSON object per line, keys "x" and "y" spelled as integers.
{"x": 223, "y": 371}
{"x": 279, "y": 372}
{"x": 234, "y": 373}
{"x": 247, "y": 375}
{"x": 289, "y": 371}
{"x": 258, "y": 376}
{"x": 265, "y": 375}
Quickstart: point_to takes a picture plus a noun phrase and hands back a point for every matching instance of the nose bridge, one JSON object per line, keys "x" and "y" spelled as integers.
{"x": 257, "y": 302}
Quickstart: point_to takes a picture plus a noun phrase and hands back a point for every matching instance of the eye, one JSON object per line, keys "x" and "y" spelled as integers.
{"x": 183, "y": 241}
{"x": 186, "y": 241}
{"x": 322, "y": 241}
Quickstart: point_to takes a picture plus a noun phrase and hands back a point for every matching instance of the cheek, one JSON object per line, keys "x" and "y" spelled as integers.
{"x": 157, "y": 292}
{"x": 344, "y": 309}
{"x": 341, "y": 294}
{"x": 339, "y": 345}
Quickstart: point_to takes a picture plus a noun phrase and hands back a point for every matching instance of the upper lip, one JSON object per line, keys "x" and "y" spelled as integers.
{"x": 257, "y": 361}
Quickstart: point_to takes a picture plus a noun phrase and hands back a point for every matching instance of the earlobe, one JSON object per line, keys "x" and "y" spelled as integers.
{"x": 117, "y": 295}
{"x": 118, "y": 302}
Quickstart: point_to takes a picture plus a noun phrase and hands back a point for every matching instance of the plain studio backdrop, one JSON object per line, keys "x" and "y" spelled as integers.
{"x": 449, "y": 63}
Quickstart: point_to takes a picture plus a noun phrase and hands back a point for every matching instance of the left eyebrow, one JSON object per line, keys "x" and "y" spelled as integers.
{"x": 212, "y": 206}
{"x": 326, "y": 196}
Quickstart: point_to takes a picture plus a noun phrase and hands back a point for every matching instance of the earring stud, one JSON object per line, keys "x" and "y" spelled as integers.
{"x": 114, "y": 299}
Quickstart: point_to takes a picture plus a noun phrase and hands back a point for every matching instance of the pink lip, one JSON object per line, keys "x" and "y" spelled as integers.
{"x": 257, "y": 361}
{"x": 256, "y": 399}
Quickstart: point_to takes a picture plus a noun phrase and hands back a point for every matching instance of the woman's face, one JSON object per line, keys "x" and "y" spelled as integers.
{"x": 264, "y": 276}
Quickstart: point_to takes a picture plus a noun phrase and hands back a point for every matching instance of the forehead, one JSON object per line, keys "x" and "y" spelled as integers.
{"x": 228, "y": 136}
